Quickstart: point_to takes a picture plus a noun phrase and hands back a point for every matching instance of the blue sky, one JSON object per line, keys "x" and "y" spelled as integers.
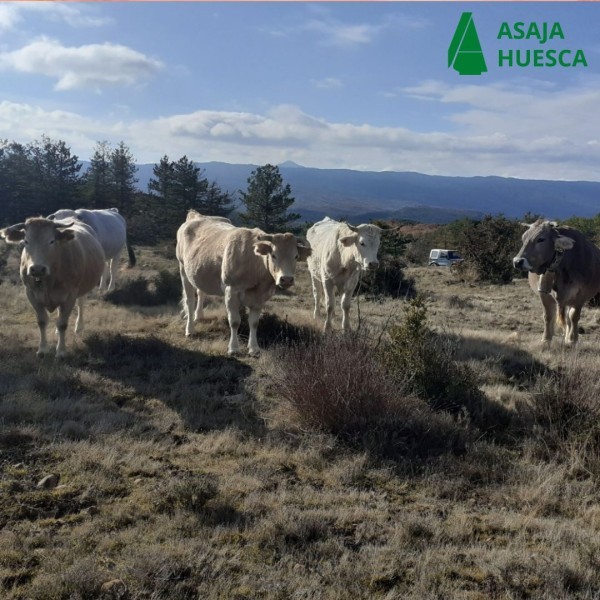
{"x": 335, "y": 85}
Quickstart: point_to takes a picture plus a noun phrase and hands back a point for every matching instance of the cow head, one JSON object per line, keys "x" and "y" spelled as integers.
{"x": 364, "y": 244}
{"x": 63, "y": 214}
{"x": 542, "y": 243}
{"x": 281, "y": 251}
{"x": 41, "y": 239}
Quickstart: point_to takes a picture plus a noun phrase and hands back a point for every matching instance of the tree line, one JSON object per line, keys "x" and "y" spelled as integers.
{"x": 44, "y": 176}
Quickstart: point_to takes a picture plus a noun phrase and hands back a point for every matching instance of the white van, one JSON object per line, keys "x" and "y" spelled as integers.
{"x": 439, "y": 257}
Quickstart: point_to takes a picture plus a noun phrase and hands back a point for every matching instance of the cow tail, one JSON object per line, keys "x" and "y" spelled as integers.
{"x": 560, "y": 312}
{"x": 132, "y": 259}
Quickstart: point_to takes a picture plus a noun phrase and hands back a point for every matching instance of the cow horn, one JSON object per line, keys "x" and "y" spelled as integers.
{"x": 63, "y": 224}
{"x": 15, "y": 227}
{"x": 355, "y": 229}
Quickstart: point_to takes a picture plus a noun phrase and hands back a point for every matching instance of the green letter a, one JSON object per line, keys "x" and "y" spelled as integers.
{"x": 464, "y": 52}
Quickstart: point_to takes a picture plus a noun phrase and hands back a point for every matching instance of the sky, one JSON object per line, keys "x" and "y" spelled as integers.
{"x": 359, "y": 85}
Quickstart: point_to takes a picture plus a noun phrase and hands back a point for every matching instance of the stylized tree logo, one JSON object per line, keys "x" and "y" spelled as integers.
{"x": 464, "y": 53}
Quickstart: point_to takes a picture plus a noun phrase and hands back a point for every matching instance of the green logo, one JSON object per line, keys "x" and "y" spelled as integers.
{"x": 465, "y": 54}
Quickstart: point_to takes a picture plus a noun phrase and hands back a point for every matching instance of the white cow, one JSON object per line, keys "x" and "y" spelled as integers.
{"x": 111, "y": 230}
{"x": 243, "y": 265}
{"x": 60, "y": 263}
{"x": 339, "y": 253}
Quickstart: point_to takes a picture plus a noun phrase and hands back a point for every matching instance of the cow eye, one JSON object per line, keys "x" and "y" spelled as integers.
{"x": 296, "y": 258}
{"x": 274, "y": 257}
{"x": 51, "y": 242}
{"x": 362, "y": 243}
{"x": 540, "y": 240}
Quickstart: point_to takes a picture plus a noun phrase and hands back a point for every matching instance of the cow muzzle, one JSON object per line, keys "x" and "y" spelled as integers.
{"x": 285, "y": 281}
{"x": 372, "y": 265}
{"x": 38, "y": 272}
{"x": 521, "y": 263}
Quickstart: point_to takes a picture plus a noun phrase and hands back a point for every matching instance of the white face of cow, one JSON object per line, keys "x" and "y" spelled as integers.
{"x": 281, "y": 251}
{"x": 541, "y": 242}
{"x": 41, "y": 239}
{"x": 364, "y": 242}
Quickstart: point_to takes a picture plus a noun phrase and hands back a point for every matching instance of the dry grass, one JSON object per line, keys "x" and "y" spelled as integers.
{"x": 187, "y": 474}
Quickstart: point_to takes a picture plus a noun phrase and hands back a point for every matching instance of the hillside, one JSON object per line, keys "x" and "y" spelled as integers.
{"x": 151, "y": 465}
{"x": 362, "y": 195}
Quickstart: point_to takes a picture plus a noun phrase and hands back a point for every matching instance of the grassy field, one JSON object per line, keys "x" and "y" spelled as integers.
{"x": 183, "y": 473}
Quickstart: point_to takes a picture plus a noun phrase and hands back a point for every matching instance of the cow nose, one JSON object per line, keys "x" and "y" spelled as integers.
{"x": 518, "y": 263}
{"x": 37, "y": 270}
{"x": 286, "y": 280}
{"x": 373, "y": 264}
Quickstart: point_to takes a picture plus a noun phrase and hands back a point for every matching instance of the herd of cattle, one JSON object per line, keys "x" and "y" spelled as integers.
{"x": 69, "y": 253}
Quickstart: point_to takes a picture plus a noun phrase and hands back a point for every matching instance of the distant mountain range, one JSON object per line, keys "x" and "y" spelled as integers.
{"x": 364, "y": 195}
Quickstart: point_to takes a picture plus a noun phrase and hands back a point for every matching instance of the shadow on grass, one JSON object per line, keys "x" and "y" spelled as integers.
{"x": 205, "y": 390}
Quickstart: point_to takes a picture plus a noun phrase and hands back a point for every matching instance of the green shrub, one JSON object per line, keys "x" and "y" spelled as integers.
{"x": 424, "y": 363}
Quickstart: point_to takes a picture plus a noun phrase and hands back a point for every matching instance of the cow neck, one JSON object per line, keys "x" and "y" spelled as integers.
{"x": 555, "y": 262}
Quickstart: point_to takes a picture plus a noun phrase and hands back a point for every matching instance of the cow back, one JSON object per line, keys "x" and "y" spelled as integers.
{"x": 201, "y": 243}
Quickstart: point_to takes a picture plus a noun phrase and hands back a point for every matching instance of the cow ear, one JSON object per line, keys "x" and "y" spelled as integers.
{"x": 562, "y": 243}
{"x": 14, "y": 234}
{"x": 65, "y": 235}
{"x": 263, "y": 248}
{"x": 304, "y": 252}
{"x": 348, "y": 240}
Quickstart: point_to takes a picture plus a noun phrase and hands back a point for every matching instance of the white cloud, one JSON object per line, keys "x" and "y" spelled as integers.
{"x": 14, "y": 13}
{"x": 328, "y": 83}
{"x": 333, "y": 32}
{"x": 92, "y": 66}
{"x": 548, "y": 137}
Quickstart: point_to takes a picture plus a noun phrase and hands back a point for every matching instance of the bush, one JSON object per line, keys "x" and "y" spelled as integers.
{"x": 424, "y": 363}
{"x": 165, "y": 288}
{"x": 336, "y": 384}
{"x": 566, "y": 417}
{"x": 387, "y": 280}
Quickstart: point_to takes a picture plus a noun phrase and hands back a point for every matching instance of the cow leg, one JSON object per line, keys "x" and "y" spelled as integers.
{"x": 188, "y": 300}
{"x": 572, "y": 333}
{"x": 42, "y": 321}
{"x": 550, "y": 307}
{"x": 79, "y": 324}
{"x": 199, "y": 314}
{"x": 317, "y": 289}
{"x": 329, "y": 302}
{"x": 232, "y": 304}
{"x": 64, "y": 311}
{"x": 253, "y": 317}
{"x": 105, "y": 277}
{"x": 114, "y": 267}
{"x": 345, "y": 303}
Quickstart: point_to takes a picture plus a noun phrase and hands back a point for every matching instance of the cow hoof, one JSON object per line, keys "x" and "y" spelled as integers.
{"x": 254, "y": 353}
{"x": 40, "y": 353}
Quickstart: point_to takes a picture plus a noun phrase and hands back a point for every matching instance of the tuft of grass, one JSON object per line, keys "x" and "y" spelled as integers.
{"x": 188, "y": 491}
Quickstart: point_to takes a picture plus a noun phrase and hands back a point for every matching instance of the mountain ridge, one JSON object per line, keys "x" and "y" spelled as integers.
{"x": 390, "y": 194}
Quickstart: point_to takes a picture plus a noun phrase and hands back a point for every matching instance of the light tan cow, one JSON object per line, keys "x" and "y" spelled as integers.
{"x": 60, "y": 263}
{"x": 340, "y": 252}
{"x": 243, "y": 265}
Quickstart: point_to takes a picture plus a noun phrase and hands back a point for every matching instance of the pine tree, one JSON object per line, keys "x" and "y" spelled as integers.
{"x": 99, "y": 185}
{"x": 267, "y": 201}
{"x": 123, "y": 170}
{"x": 56, "y": 171}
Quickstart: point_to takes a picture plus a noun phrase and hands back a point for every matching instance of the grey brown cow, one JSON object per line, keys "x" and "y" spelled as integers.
{"x": 564, "y": 269}
{"x": 60, "y": 263}
{"x": 243, "y": 265}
